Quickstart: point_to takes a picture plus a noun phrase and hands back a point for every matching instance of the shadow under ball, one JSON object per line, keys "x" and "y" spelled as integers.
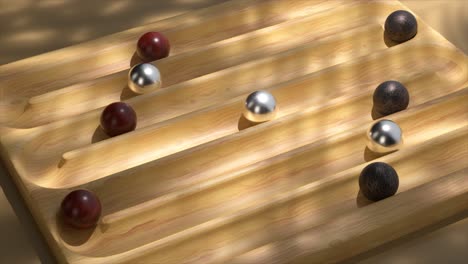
{"x": 378, "y": 181}
{"x": 260, "y": 106}
{"x": 384, "y": 136}
{"x": 390, "y": 97}
{"x": 144, "y": 78}
{"x": 81, "y": 209}
{"x": 118, "y": 118}
{"x": 401, "y": 26}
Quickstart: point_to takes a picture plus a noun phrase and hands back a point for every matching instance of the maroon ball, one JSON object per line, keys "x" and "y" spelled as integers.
{"x": 153, "y": 46}
{"x": 81, "y": 209}
{"x": 118, "y": 118}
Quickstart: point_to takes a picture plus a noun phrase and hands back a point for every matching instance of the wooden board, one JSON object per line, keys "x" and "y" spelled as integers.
{"x": 197, "y": 183}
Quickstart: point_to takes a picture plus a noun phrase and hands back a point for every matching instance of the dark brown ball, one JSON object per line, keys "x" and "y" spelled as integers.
{"x": 118, "y": 118}
{"x": 378, "y": 181}
{"x": 390, "y": 97}
{"x": 81, "y": 209}
{"x": 401, "y": 26}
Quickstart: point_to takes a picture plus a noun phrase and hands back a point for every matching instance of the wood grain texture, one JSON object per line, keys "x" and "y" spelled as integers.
{"x": 197, "y": 183}
{"x": 220, "y": 55}
{"x": 68, "y": 66}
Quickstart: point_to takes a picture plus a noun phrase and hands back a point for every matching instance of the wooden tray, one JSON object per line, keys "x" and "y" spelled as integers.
{"x": 196, "y": 183}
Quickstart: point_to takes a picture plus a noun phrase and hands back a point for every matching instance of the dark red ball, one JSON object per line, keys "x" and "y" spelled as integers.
{"x": 153, "y": 46}
{"x": 81, "y": 209}
{"x": 118, "y": 118}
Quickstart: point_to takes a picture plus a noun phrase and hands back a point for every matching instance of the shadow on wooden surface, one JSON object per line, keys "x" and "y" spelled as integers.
{"x": 448, "y": 229}
{"x": 30, "y": 32}
{"x": 35, "y": 27}
{"x": 14, "y": 247}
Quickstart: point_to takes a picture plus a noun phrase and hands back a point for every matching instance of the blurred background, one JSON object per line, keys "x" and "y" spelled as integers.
{"x": 32, "y": 27}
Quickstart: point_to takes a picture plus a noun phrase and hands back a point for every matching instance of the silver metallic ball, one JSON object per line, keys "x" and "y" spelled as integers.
{"x": 384, "y": 136}
{"x": 260, "y": 106}
{"x": 144, "y": 78}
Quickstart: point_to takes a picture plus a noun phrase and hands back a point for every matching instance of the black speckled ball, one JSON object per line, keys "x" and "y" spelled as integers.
{"x": 378, "y": 181}
{"x": 390, "y": 97}
{"x": 401, "y": 26}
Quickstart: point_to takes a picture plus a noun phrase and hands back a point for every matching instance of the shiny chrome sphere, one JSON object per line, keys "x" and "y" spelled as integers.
{"x": 260, "y": 106}
{"x": 144, "y": 78}
{"x": 384, "y": 136}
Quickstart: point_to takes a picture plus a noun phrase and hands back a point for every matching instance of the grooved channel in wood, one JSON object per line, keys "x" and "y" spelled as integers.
{"x": 113, "y": 53}
{"x": 197, "y": 183}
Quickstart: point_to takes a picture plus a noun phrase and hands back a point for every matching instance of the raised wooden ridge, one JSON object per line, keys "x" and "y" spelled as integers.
{"x": 196, "y": 182}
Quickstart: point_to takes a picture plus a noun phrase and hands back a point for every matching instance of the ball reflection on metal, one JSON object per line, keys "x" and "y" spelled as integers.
{"x": 144, "y": 78}
{"x": 260, "y": 106}
{"x": 384, "y": 136}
